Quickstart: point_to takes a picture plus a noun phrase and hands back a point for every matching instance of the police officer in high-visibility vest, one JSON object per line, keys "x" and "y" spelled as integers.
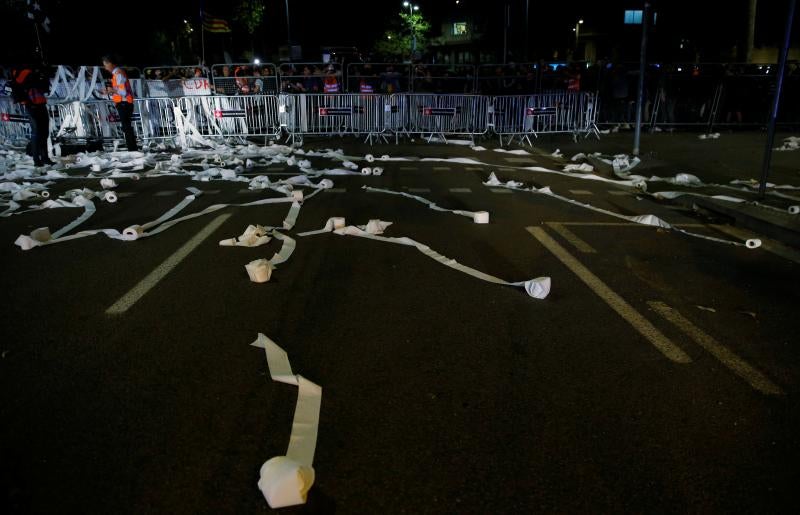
{"x": 28, "y": 88}
{"x": 122, "y": 95}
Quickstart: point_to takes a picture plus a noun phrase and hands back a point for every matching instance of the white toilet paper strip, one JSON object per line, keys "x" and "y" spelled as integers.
{"x": 287, "y": 248}
{"x": 641, "y": 219}
{"x": 291, "y": 217}
{"x": 537, "y": 288}
{"x": 285, "y": 480}
{"x": 468, "y": 214}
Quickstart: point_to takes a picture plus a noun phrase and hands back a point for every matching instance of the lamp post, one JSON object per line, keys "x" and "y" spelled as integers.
{"x": 411, "y": 9}
{"x": 577, "y": 31}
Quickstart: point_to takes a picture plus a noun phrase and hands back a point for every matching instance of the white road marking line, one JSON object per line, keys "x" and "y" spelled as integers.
{"x": 460, "y": 190}
{"x": 473, "y": 169}
{"x": 617, "y": 303}
{"x": 124, "y": 194}
{"x": 419, "y": 190}
{"x": 166, "y": 193}
{"x": 441, "y": 168}
{"x": 736, "y": 364}
{"x": 581, "y": 192}
{"x": 625, "y": 224}
{"x": 571, "y": 237}
{"x": 335, "y": 190}
{"x": 153, "y": 278}
{"x": 618, "y": 192}
{"x": 499, "y": 190}
{"x": 772, "y": 246}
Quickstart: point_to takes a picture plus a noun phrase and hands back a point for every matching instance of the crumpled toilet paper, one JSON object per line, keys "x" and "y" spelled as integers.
{"x": 253, "y": 236}
{"x": 259, "y": 270}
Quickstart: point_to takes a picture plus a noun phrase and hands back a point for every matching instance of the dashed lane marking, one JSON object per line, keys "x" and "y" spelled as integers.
{"x": 614, "y": 301}
{"x": 727, "y": 357}
{"x": 571, "y": 237}
{"x": 153, "y": 278}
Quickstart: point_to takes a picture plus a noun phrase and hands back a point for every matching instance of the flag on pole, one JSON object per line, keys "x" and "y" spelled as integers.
{"x": 37, "y": 15}
{"x": 212, "y": 24}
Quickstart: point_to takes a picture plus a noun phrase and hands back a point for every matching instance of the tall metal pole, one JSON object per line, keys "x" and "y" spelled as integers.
{"x": 762, "y": 187}
{"x": 640, "y": 96}
{"x": 506, "y": 10}
{"x": 751, "y": 30}
{"x": 288, "y": 30}
{"x": 527, "y": 22}
{"x": 39, "y": 40}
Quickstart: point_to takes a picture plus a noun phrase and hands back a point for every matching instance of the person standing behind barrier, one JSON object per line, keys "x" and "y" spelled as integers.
{"x": 331, "y": 83}
{"x": 28, "y": 89}
{"x": 122, "y": 95}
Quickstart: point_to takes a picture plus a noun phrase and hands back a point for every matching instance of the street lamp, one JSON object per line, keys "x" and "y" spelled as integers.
{"x": 411, "y": 9}
{"x": 577, "y": 31}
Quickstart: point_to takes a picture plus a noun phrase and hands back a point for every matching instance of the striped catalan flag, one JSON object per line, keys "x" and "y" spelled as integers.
{"x": 212, "y": 24}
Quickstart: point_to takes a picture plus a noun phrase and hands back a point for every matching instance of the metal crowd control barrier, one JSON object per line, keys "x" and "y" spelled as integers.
{"x": 444, "y": 78}
{"x": 157, "y": 119}
{"x": 245, "y": 79}
{"x": 340, "y": 114}
{"x": 465, "y": 115}
{"x": 523, "y": 116}
{"x": 14, "y": 126}
{"x": 310, "y": 77}
{"x": 233, "y": 116}
{"x": 385, "y": 78}
{"x": 508, "y": 79}
{"x": 82, "y": 122}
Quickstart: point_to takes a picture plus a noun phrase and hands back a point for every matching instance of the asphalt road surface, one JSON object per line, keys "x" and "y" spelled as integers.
{"x": 660, "y": 375}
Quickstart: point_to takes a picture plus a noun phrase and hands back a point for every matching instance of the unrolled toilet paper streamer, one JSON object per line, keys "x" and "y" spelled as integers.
{"x": 641, "y": 219}
{"x": 537, "y": 288}
{"x": 468, "y": 214}
{"x": 286, "y": 480}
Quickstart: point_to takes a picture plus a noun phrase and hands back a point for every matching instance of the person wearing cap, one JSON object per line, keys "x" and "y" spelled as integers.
{"x": 122, "y": 95}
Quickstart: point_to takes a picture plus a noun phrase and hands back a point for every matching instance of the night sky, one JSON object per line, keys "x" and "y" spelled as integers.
{"x": 148, "y": 26}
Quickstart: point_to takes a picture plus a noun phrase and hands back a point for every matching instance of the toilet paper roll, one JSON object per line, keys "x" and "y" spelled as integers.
{"x": 42, "y": 234}
{"x": 366, "y": 171}
{"x": 480, "y": 217}
{"x": 285, "y": 482}
{"x": 96, "y": 167}
{"x": 753, "y": 244}
{"x": 108, "y": 183}
{"x": 110, "y": 197}
{"x": 325, "y": 184}
{"x": 259, "y": 270}
{"x": 793, "y": 210}
{"x": 377, "y": 171}
{"x": 45, "y": 194}
{"x": 370, "y": 158}
{"x": 385, "y": 157}
{"x": 297, "y": 195}
{"x": 133, "y": 232}
{"x": 339, "y": 223}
